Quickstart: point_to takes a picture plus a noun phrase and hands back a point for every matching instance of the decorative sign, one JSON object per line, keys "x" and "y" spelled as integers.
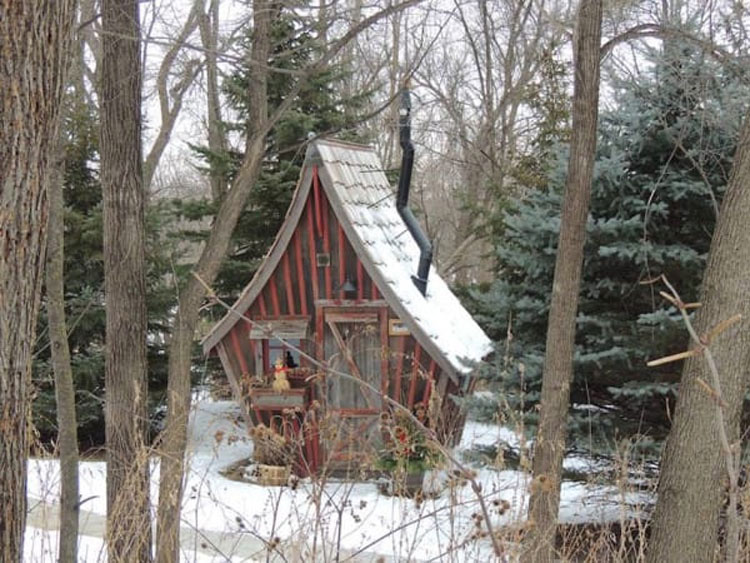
{"x": 397, "y": 328}
{"x": 324, "y": 259}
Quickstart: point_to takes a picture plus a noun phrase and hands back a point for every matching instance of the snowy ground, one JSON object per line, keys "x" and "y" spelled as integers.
{"x": 226, "y": 520}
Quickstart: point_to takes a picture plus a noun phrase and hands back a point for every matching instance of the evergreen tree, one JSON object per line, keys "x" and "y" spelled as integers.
{"x": 317, "y": 110}
{"x": 84, "y": 288}
{"x": 662, "y": 165}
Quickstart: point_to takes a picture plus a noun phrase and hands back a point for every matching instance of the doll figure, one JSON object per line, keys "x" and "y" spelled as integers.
{"x": 280, "y": 382}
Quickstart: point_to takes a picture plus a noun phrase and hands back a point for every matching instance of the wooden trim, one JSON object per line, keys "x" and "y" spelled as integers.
{"x": 233, "y": 383}
{"x": 360, "y": 280}
{"x": 414, "y": 374}
{"x": 284, "y": 327}
{"x": 342, "y": 259}
{"x": 319, "y": 335}
{"x": 312, "y": 245}
{"x": 256, "y": 285}
{"x": 351, "y": 316}
{"x": 348, "y": 303}
{"x": 253, "y": 356}
{"x": 327, "y": 249}
{"x": 300, "y": 271}
{"x": 356, "y": 412}
{"x": 396, "y": 394}
{"x": 262, "y": 305}
{"x": 288, "y": 283}
{"x": 374, "y": 291}
{"x": 442, "y": 385}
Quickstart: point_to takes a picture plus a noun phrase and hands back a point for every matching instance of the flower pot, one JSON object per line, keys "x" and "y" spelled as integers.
{"x": 272, "y": 475}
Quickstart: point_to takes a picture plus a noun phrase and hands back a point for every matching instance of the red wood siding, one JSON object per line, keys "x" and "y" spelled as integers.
{"x": 409, "y": 374}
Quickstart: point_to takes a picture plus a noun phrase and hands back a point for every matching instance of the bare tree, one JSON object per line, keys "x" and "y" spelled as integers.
{"x": 549, "y": 447}
{"x": 67, "y": 423}
{"x": 30, "y": 99}
{"x": 209, "y": 28}
{"x": 260, "y": 122}
{"x": 480, "y": 86}
{"x": 128, "y": 521}
{"x": 694, "y": 468}
{"x": 173, "y": 80}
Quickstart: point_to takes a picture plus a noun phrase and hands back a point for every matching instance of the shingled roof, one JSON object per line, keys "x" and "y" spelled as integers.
{"x": 364, "y": 203}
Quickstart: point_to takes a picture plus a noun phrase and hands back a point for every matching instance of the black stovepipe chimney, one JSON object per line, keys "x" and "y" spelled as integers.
{"x": 402, "y": 197}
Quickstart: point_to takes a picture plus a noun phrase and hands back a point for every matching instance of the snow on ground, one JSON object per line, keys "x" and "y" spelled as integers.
{"x": 228, "y": 520}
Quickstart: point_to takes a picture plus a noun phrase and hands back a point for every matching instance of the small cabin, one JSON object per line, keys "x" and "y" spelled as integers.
{"x": 336, "y": 295}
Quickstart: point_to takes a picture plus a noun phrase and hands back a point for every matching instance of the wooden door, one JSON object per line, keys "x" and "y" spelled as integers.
{"x": 354, "y": 345}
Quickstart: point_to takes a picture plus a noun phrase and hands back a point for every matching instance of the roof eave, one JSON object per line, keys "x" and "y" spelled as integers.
{"x": 267, "y": 266}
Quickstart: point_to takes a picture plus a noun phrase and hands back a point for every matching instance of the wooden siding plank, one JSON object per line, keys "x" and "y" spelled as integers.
{"x": 238, "y": 350}
{"x": 274, "y": 295}
{"x": 252, "y": 355}
{"x": 316, "y": 195}
{"x": 300, "y": 272}
{"x": 414, "y": 375}
{"x": 288, "y": 282}
{"x": 262, "y": 306}
{"x": 360, "y": 280}
{"x": 342, "y": 260}
{"x": 311, "y": 243}
{"x": 430, "y": 382}
{"x": 327, "y": 247}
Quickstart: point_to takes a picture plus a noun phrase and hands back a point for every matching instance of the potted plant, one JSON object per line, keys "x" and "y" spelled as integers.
{"x": 272, "y": 454}
{"x": 407, "y": 454}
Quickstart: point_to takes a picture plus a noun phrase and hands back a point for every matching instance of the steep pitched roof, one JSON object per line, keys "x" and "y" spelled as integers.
{"x": 364, "y": 203}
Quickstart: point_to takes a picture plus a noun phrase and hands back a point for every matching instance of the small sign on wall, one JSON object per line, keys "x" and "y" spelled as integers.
{"x": 397, "y": 328}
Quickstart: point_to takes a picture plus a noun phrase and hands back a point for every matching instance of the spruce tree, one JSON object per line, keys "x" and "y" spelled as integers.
{"x": 84, "y": 282}
{"x": 317, "y": 110}
{"x": 663, "y": 158}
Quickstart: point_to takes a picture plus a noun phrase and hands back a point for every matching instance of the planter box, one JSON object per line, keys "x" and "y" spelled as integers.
{"x": 268, "y": 399}
{"x": 272, "y": 475}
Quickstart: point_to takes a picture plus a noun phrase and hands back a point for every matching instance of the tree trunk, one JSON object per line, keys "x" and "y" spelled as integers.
{"x": 558, "y": 363}
{"x": 128, "y": 519}
{"x": 209, "y": 28}
{"x": 67, "y": 424}
{"x": 35, "y": 40}
{"x": 174, "y": 439}
{"x": 694, "y": 474}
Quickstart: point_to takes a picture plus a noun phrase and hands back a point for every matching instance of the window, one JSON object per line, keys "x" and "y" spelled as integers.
{"x": 278, "y": 349}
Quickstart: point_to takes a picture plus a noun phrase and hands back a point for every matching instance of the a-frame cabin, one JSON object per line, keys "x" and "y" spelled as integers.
{"x": 338, "y": 285}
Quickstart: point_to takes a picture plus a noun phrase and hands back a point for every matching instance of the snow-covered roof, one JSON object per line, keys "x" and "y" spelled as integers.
{"x": 364, "y": 203}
